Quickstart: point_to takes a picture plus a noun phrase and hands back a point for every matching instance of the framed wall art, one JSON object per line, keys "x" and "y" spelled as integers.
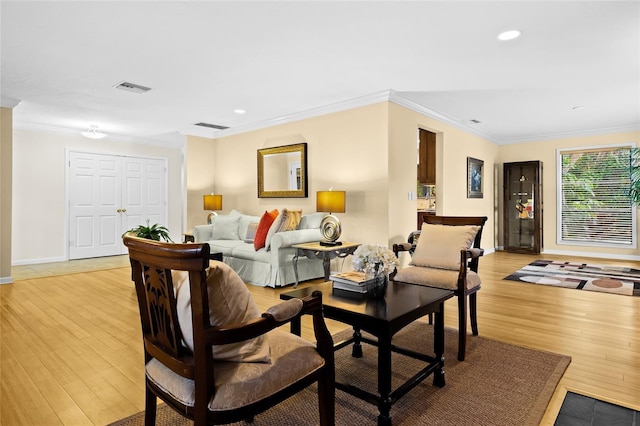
{"x": 475, "y": 177}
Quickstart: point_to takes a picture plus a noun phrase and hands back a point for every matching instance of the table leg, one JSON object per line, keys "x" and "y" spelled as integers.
{"x": 356, "y": 351}
{"x": 438, "y": 345}
{"x": 384, "y": 379}
{"x": 326, "y": 263}
{"x": 295, "y": 268}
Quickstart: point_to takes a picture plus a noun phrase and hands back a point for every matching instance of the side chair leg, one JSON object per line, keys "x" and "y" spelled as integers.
{"x": 327, "y": 400}
{"x": 462, "y": 326}
{"x": 473, "y": 313}
{"x": 149, "y": 408}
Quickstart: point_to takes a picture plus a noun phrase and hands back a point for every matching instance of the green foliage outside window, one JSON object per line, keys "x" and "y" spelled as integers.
{"x": 596, "y": 196}
{"x": 634, "y": 190}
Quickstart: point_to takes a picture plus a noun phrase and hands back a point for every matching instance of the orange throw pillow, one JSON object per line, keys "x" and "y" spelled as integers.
{"x": 266, "y": 220}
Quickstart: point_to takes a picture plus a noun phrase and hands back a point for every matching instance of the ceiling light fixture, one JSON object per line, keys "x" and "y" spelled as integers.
{"x": 509, "y": 35}
{"x": 239, "y": 111}
{"x": 93, "y": 133}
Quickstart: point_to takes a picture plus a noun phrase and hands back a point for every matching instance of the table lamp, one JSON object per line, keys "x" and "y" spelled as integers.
{"x": 212, "y": 202}
{"x": 331, "y": 202}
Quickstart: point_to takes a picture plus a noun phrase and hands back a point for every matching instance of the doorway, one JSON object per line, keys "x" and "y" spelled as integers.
{"x": 109, "y": 194}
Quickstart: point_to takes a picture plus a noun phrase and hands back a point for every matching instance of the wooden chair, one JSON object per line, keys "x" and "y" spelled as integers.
{"x": 455, "y": 267}
{"x": 205, "y": 390}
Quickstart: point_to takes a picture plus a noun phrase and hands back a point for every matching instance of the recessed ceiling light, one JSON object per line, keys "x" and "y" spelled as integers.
{"x": 239, "y": 111}
{"x": 577, "y": 107}
{"x": 509, "y": 35}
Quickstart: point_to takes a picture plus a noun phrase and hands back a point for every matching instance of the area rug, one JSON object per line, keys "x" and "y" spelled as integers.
{"x": 583, "y": 276}
{"x": 497, "y": 384}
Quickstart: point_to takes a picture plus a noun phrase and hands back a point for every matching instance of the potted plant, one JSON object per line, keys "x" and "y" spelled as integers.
{"x": 151, "y": 232}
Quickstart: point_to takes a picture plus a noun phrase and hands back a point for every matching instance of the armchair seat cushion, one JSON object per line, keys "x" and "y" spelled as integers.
{"x": 239, "y": 383}
{"x": 435, "y": 277}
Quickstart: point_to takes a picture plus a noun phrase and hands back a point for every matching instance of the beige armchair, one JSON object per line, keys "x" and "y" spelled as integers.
{"x": 209, "y": 353}
{"x": 445, "y": 254}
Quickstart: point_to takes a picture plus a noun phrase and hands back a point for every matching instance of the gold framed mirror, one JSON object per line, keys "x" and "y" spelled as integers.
{"x": 282, "y": 171}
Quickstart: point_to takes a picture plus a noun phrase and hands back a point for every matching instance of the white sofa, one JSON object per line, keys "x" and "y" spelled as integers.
{"x": 269, "y": 266}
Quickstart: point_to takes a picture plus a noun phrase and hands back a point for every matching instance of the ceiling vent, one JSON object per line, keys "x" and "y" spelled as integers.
{"x": 130, "y": 87}
{"x": 212, "y": 126}
{"x": 474, "y": 121}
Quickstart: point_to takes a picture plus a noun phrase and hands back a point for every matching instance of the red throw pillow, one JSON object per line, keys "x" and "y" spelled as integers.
{"x": 266, "y": 220}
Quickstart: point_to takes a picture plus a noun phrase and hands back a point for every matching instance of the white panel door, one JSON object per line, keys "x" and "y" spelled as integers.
{"x": 94, "y": 202}
{"x": 109, "y": 195}
{"x": 143, "y": 191}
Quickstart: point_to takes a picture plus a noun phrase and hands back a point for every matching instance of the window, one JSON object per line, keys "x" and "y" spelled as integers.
{"x": 593, "y": 197}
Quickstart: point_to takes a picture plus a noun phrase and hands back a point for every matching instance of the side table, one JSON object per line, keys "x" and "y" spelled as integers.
{"x": 318, "y": 251}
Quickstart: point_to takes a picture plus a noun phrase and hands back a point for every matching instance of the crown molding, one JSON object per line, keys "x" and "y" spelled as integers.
{"x": 384, "y": 96}
{"x": 420, "y": 109}
{"x": 576, "y": 134}
{"x": 310, "y": 113}
{"x": 7, "y": 102}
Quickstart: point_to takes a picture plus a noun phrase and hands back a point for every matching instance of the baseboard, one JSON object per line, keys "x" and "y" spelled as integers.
{"x": 36, "y": 261}
{"x": 591, "y": 254}
{"x": 6, "y": 280}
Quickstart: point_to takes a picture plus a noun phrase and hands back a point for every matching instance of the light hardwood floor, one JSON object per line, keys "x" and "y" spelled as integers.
{"x": 71, "y": 353}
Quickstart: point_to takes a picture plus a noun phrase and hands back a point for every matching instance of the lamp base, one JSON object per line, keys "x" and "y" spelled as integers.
{"x": 330, "y": 229}
{"x": 330, "y": 243}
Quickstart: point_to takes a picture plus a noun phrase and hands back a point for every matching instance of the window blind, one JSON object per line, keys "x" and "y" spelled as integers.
{"x": 596, "y": 208}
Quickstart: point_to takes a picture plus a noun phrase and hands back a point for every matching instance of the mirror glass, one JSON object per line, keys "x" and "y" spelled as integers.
{"x": 282, "y": 171}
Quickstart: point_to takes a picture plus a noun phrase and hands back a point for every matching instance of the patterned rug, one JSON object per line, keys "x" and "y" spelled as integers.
{"x": 582, "y": 276}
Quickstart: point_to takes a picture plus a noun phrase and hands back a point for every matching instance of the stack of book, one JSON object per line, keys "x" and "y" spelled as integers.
{"x": 352, "y": 281}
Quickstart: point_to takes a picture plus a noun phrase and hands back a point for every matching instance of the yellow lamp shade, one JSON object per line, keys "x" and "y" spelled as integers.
{"x": 212, "y": 202}
{"x": 330, "y": 201}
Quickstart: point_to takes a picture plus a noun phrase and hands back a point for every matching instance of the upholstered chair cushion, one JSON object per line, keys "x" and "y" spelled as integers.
{"x": 229, "y": 302}
{"x": 265, "y": 223}
{"x": 435, "y": 277}
{"x": 238, "y": 384}
{"x": 224, "y": 228}
{"x": 439, "y": 245}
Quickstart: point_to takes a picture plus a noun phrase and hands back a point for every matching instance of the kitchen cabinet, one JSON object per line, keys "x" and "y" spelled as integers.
{"x": 426, "y": 157}
{"x": 523, "y": 207}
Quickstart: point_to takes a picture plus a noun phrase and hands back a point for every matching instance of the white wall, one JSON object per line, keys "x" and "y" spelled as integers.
{"x": 39, "y": 225}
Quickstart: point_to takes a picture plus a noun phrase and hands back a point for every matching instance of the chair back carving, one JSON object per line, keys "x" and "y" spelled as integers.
{"x": 161, "y": 310}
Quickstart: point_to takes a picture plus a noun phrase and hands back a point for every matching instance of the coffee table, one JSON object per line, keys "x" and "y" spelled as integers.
{"x": 383, "y": 317}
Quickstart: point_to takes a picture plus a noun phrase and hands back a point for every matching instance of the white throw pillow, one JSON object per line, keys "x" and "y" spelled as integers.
{"x": 230, "y": 302}
{"x": 225, "y": 228}
{"x": 251, "y": 232}
{"x": 439, "y": 245}
{"x": 311, "y": 221}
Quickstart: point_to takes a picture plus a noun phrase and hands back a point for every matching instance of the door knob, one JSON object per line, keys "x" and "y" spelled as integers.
{"x": 124, "y": 210}
{"x": 119, "y": 210}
